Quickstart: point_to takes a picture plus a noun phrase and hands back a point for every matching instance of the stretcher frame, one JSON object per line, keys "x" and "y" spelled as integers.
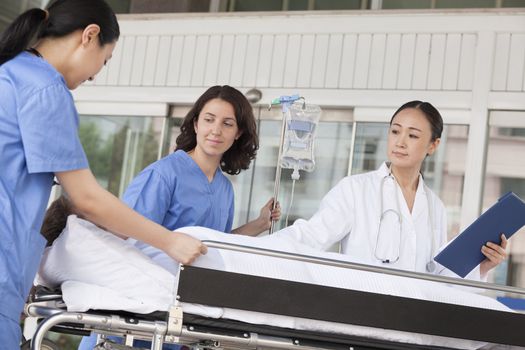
{"x": 288, "y": 298}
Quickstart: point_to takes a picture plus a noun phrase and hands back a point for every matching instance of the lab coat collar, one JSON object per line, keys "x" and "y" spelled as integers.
{"x": 384, "y": 170}
{"x": 420, "y": 204}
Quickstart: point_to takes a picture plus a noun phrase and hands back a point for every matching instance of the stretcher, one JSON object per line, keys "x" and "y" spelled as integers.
{"x": 286, "y": 313}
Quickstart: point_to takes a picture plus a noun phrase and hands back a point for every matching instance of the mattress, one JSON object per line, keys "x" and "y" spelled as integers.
{"x": 98, "y": 270}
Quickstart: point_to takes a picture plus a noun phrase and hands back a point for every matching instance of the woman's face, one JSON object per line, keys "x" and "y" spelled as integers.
{"x": 88, "y": 58}
{"x": 91, "y": 63}
{"x": 409, "y": 139}
{"x": 216, "y": 128}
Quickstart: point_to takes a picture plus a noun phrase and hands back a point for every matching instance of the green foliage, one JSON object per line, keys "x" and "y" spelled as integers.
{"x": 96, "y": 152}
{"x": 106, "y": 157}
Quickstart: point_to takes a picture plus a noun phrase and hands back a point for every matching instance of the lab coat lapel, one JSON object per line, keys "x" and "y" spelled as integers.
{"x": 421, "y": 201}
{"x": 409, "y": 237}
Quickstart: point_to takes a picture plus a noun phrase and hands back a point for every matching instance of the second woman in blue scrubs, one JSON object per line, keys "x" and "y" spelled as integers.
{"x": 188, "y": 187}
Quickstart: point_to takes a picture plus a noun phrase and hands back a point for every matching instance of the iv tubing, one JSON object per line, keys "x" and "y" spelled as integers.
{"x": 290, "y": 205}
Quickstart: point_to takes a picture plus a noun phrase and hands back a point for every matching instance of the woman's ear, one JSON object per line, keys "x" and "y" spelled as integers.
{"x": 239, "y": 134}
{"x": 90, "y": 34}
{"x": 433, "y": 146}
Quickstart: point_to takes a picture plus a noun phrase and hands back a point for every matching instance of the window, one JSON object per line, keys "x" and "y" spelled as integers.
{"x": 512, "y": 132}
{"x": 256, "y": 5}
{"x": 162, "y": 6}
{"x": 512, "y": 3}
{"x": 406, "y": 4}
{"x": 504, "y": 172}
{"x": 448, "y": 4}
{"x": 120, "y": 147}
{"x": 120, "y": 6}
{"x": 295, "y": 5}
{"x": 465, "y": 4}
{"x": 339, "y": 5}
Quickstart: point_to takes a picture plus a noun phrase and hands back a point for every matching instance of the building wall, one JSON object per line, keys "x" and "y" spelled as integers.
{"x": 466, "y": 63}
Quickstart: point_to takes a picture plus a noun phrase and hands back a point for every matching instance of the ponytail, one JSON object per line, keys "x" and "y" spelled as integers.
{"x": 21, "y": 33}
{"x": 62, "y": 17}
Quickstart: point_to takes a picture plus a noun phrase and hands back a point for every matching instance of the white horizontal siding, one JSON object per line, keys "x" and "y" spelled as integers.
{"x": 400, "y": 59}
{"x": 350, "y": 61}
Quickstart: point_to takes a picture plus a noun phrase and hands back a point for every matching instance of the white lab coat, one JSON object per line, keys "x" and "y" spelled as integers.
{"x": 350, "y": 213}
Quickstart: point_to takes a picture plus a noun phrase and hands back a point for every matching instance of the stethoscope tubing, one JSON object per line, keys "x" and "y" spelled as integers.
{"x": 431, "y": 265}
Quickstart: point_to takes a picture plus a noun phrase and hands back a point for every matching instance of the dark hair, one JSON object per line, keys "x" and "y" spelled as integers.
{"x": 431, "y": 113}
{"x": 244, "y": 149}
{"x": 61, "y": 18}
{"x": 55, "y": 219}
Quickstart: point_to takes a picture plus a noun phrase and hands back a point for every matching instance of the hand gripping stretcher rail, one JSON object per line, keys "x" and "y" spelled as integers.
{"x": 223, "y": 289}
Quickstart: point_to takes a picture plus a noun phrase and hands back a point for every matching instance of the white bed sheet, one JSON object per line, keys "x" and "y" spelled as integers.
{"x": 97, "y": 270}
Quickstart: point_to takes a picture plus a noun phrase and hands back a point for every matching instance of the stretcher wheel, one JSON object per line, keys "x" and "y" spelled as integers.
{"x": 46, "y": 345}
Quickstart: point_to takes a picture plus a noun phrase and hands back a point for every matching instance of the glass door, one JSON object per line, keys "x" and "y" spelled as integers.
{"x": 504, "y": 172}
{"x": 119, "y": 147}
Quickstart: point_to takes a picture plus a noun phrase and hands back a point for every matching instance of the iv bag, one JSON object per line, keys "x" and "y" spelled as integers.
{"x": 301, "y": 127}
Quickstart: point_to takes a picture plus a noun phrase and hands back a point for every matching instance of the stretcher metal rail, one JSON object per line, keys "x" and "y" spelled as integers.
{"x": 273, "y": 296}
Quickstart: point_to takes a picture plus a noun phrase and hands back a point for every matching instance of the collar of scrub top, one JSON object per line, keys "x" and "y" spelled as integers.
{"x": 386, "y": 173}
{"x": 34, "y": 52}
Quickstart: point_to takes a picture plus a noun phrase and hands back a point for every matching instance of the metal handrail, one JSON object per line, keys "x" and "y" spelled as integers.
{"x": 361, "y": 267}
{"x": 54, "y": 317}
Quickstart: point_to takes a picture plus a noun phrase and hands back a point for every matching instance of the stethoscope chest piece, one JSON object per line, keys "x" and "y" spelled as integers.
{"x": 431, "y": 266}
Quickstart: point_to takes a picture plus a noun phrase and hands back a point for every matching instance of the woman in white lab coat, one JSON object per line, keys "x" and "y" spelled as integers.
{"x": 389, "y": 217}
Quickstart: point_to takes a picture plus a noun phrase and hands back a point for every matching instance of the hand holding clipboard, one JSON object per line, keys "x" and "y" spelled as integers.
{"x": 463, "y": 254}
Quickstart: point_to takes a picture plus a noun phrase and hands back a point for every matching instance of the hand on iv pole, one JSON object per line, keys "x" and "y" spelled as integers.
{"x": 263, "y": 222}
{"x": 495, "y": 255}
{"x": 267, "y": 214}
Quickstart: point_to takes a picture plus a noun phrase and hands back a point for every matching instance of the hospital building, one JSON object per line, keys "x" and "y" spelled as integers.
{"x": 357, "y": 59}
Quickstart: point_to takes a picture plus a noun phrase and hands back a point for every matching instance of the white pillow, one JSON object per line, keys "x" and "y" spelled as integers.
{"x": 85, "y": 253}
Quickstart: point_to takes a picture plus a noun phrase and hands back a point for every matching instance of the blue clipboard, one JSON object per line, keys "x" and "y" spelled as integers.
{"x": 463, "y": 254}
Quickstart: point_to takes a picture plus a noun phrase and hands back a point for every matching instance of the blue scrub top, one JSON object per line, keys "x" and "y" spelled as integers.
{"x": 174, "y": 192}
{"x": 38, "y": 137}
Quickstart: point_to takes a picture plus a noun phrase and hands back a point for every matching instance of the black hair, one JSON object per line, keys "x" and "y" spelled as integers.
{"x": 244, "y": 149}
{"x": 431, "y": 113}
{"x": 61, "y": 18}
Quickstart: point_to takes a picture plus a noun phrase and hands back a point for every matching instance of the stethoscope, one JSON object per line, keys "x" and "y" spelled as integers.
{"x": 431, "y": 265}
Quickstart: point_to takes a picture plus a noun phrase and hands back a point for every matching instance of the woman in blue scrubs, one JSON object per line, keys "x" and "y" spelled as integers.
{"x": 188, "y": 187}
{"x": 39, "y": 140}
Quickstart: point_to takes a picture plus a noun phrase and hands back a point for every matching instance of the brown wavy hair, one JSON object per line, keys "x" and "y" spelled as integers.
{"x": 244, "y": 149}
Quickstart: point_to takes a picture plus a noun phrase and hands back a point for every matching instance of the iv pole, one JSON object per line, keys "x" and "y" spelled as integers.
{"x": 285, "y": 102}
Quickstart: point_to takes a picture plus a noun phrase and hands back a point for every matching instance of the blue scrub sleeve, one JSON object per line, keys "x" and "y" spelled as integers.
{"x": 48, "y": 123}
{"x": 150, "y": 195}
